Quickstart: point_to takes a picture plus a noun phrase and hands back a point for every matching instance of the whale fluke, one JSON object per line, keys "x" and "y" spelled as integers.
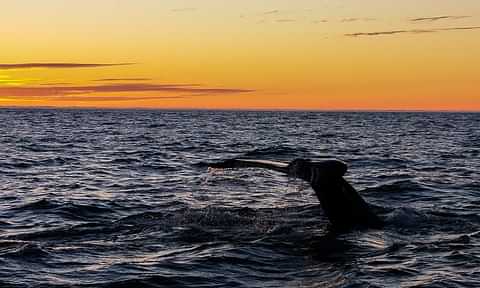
{"x": 251, "y": 163}
{"x": 343, "y": 206}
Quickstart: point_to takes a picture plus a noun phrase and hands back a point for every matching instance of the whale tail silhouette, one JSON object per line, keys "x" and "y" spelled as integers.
{"x": 343, "y": 206}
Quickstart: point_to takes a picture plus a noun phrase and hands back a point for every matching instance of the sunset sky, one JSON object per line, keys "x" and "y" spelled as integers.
{"x": 251, "y": 54}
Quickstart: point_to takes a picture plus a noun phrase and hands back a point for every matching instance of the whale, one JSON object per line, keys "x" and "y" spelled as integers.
{"x": 341, "y": 203}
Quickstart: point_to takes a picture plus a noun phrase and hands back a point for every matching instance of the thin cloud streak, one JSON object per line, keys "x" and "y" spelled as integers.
{"x": 436, "y": 18}
{"x": 460, "y": 28}
{"x": 392, "y": 32}
{"x": 271, "y": 12}
{"x": 411, "y": 31}
{"x": 56, "y": 84}
{"x": 121, "y": 79}
{"x": 94, "y": 98}
{"x": 32, "y": 91}
{"x": 346, "y": 20}
{"x": 113, "y": 98}
{"x": 59, "y": 65}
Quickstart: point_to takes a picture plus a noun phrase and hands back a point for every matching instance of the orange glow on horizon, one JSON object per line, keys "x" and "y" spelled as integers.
{"x": 302, "y": 56}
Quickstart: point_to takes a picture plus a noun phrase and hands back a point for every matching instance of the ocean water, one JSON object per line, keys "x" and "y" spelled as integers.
{"x": 105, "y": 198}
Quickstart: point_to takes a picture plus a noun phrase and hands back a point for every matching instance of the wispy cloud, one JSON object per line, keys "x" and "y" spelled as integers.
{"x": 270, "y": 12}
{"x": 410, "y": 31}
{"x": 319, "y": 21}
{"x": 56, "y": 84}
{"x": 121, "y": 79}
{"x": 459, "y": 28}
{"x": 60, "y": 90}
{"x": 286, "y": 20}
{"x": 58, "y": 65}
{"x": 391, "y": 32}
{"x": 357, "y": 19}
{"x": 113, "y": 98}
{"x": 436, "y": 18}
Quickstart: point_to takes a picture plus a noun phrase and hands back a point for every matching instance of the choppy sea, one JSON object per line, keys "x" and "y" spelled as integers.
{"x": 124, "y": 198}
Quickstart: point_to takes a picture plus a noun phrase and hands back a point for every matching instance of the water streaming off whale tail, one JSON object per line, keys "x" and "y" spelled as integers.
{"x": 94, "y": 198}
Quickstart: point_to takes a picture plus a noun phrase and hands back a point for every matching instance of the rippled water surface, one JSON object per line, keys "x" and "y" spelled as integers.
{"x": 104, "y": 198}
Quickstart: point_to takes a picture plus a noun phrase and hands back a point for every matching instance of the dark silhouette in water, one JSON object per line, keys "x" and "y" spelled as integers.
{"x": 342, "y": 204}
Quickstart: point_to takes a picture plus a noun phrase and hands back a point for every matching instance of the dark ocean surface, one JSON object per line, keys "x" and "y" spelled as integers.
{"x": 105, "y": 198}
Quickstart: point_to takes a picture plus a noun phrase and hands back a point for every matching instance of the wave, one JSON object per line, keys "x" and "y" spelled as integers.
{"x": 41, "y": 204}
{"x": 179, "y": 280}
{"x": 70, "y": 233}
{"x": 22, "y": 250}
{"x": 416, "y": 219}
{"x": 185, "y": 225}
{"x": 278, "y": 152}
{"x": 70, "y": 210}
{"x": 406, "y": 217}
{"x": 397, "y": 186}
{"x": 28, "y": 163}
{"x": 125, "y": 160}
{"x": 157, "y": 125}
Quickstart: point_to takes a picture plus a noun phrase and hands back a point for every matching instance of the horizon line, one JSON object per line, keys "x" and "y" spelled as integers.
{"x": 242, "y": 109}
